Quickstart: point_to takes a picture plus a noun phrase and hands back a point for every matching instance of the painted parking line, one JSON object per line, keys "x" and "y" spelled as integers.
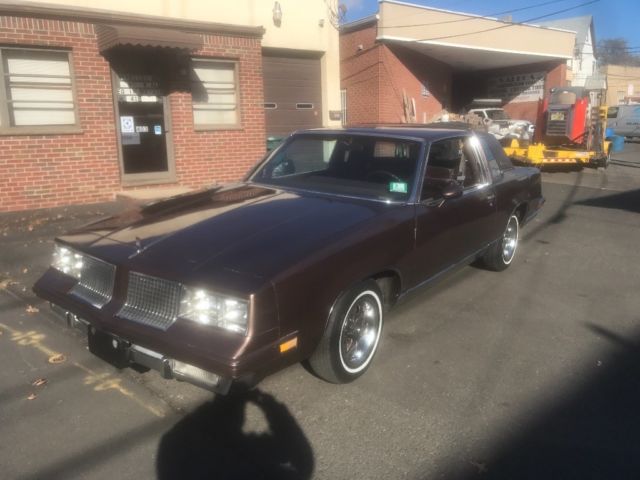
{"x": 97, "y": 381}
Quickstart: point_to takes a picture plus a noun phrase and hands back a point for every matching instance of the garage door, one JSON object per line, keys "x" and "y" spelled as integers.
{"x": 292, "y": 93}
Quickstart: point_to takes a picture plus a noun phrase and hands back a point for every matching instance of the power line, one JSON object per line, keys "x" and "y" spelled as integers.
{"x": 476, "y": 17}
{"x": 509, "y": 24}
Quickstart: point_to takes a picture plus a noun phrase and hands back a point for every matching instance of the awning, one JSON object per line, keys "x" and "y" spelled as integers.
{"x": 110, "y": 36}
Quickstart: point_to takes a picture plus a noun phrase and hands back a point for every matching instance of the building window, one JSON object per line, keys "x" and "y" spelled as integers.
{"x": 38, "y": 93}
{"x": 214, "y": 92}
{"x": 343, "y": 106}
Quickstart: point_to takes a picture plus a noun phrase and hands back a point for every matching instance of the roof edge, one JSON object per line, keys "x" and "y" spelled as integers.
{"x": 360, "y": 23}
{"x": 94, "y": 15}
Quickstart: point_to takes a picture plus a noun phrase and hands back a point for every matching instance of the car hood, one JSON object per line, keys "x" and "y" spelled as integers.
{"x": 245, "y": 228}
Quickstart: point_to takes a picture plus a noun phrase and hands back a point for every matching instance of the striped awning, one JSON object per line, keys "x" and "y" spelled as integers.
{"x": 110, "y": 36}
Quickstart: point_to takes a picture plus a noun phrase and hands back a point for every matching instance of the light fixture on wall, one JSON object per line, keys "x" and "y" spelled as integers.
{"x": 277, "y": 14}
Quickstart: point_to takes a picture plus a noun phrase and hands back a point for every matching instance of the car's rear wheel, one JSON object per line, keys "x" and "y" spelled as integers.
{"x": 352, "y": 335}
{"x": 501, "y": 254}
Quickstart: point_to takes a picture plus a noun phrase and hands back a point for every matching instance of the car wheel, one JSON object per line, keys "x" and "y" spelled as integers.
{"x": 501, "y": 254}
{"x": 351, "y": 338}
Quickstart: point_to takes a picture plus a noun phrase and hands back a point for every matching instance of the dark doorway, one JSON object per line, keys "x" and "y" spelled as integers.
{"x": 140, "y": 81}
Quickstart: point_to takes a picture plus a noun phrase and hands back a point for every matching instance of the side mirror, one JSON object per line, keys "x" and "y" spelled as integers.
{"x": 451, "y": 190}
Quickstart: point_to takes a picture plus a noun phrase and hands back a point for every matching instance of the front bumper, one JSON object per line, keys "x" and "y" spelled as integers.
{"x": 122, "y": 353}
{"x": 186, "y": 351}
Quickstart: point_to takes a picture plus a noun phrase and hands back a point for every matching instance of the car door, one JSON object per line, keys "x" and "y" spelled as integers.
{"x": 450, "y": 231}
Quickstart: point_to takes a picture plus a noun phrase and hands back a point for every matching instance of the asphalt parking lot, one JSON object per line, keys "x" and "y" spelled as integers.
{"x": 532, "y": 373}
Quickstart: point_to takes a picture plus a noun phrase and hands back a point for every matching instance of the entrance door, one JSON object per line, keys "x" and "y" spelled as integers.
{"x": 143, "y": 116}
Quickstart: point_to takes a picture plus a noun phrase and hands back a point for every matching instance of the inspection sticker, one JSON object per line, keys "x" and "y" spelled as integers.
{"x": 398, "y": 187}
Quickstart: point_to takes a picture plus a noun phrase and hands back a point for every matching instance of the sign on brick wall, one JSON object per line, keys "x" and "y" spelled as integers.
{"x": 520, "y": 87}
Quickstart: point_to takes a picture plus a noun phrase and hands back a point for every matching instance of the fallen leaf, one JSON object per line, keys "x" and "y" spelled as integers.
{"x": 25, "y": 270}
{"x": 5, "y": 283}
{"x": 57, "y": 358}
{"x": 32, "y": 396}
{"x": 32, "y": 309}
{"x": 39, "y": 382}
{"x": 30, "y": 228}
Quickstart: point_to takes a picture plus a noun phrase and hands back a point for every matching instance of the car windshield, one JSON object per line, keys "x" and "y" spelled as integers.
{"x": 497, "y": 114}
{"x": 354, "y": 165}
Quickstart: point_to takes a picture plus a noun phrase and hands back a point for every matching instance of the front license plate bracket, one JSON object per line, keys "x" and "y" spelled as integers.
{"x": 108, "y": 348}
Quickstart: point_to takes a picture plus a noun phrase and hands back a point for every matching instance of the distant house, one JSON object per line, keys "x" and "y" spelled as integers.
{"x": 583, "y": 63}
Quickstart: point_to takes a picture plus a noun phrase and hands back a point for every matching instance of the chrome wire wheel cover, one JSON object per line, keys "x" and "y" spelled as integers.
{"x": 360, "y": 332}
{"x": 510, "y": 240}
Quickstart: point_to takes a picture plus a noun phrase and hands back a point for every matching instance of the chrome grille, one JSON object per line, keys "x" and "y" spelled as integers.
{"x": 95, "y": 285}
{"x": 151, "y": 301}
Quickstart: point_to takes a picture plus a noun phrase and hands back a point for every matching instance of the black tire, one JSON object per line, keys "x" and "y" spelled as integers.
{"x": 500, "y": 255}
{"x": 333, "y": 360}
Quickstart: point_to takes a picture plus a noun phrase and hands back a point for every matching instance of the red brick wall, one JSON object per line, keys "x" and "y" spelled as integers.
{"x": 377, "y": 75}
{"x": 403, "y": 71}
{"x": 38, "y": 171}
{"x": 359, "y": 74}
{"x": 46, "y": 170}
{"x": 218, "y": 156}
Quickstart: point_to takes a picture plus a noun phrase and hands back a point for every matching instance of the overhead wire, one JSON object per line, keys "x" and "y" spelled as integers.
{"x": 476, "y": 17}
{"x": 583, "y": 4}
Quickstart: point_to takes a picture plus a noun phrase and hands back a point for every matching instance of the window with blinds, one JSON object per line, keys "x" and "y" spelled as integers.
{"x": 214, "y": 93}
{"x": 38, "y": 89}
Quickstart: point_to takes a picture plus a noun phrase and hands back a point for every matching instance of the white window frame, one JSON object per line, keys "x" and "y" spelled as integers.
{"x": 236, "y": 80}
{"x": 5, "y": 115}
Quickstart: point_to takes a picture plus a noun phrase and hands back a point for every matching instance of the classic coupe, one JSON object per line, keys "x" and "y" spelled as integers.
{"x": 299, "y": 262}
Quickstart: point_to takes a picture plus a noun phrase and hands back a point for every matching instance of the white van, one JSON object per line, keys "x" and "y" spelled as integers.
{"x": 625, "y": 120}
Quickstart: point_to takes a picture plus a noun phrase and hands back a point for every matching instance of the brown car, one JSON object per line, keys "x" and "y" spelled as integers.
{"x": 299, "y": 262}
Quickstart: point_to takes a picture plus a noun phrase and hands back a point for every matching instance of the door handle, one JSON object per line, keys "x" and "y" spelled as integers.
{"x": 434, "y": 202}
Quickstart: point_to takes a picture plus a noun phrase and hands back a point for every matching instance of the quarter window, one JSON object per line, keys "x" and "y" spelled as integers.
{"x": 214, "y": 93}
{"x": 37, "y": 90}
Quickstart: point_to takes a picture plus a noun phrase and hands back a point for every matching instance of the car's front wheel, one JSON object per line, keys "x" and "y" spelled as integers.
{"x": 352, "y": 335}
{"x": 501, "y": 254}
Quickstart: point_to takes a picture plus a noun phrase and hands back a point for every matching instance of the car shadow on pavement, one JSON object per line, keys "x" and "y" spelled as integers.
{"x": 210, "y": 442}
{"x": 590, "y": 431}
{"x": 629, "y": 201}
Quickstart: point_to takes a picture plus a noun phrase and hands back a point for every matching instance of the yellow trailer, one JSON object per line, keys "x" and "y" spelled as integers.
{"x": 595, "y": 152}
{"x": 540, "y": 155}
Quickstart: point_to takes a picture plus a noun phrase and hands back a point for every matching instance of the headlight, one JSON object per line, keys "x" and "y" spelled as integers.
{"x": 210, "y": 309}
{"x": 67, "y": 261}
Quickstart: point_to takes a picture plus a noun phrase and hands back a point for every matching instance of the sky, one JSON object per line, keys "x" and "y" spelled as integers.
{"x": 613, "y": 18}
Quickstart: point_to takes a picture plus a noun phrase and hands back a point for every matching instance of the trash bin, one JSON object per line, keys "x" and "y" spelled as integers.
{"x": 273, "y": 142}
{"x": 609, "y": 132}
{"x": 617, "y": 143}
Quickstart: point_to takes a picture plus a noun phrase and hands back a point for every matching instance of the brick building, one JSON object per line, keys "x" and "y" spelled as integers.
{"x": 99, "y": 101}
{"x": 414, "y": 61}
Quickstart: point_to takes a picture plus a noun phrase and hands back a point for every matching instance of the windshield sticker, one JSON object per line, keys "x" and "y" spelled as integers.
{"x": 398, "y": 187}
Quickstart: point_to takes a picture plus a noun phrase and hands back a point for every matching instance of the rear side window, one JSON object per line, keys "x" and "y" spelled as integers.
{"x": 454, "y": 159}
{"x": 497, "y": 159}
